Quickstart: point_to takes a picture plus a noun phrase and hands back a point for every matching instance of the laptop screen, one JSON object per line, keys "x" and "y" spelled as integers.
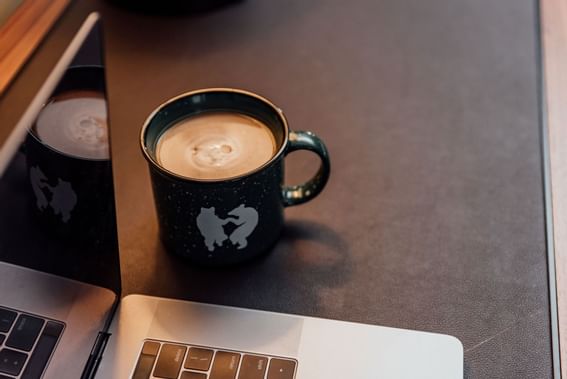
{"x": 57, "y": 211}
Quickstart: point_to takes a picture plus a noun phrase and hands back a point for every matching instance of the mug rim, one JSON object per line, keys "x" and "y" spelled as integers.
{"x": 153, "y": 162}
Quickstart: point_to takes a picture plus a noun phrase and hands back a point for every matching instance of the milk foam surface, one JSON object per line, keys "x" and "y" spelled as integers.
{"x": 215, "y": 146}
{"x": 75, "y": 124}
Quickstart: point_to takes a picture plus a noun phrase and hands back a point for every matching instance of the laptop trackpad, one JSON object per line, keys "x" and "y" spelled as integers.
{"x": 239, "y": 329}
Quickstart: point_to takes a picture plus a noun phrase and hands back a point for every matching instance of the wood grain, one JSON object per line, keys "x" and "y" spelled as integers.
{"x": 22, "y": 32}
{"x": 554, "y": 38}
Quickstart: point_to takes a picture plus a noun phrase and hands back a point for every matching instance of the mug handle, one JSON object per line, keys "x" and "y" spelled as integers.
{"x": 299, "y": 194}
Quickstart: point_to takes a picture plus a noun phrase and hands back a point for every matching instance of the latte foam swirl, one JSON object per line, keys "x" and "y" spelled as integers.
{"x": 215, "y": 146}
{"x": 213, "y": 151}
{"x": 75, "y": 125}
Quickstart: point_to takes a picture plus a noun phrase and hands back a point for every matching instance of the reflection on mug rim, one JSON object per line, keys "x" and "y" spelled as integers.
{"x": 164, "y": 105}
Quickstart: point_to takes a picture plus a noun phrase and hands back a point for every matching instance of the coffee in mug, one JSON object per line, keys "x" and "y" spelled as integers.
{"x": 216, "y": 145}
{"x": 74, "y": 123}
{"x": 216, "y": 165}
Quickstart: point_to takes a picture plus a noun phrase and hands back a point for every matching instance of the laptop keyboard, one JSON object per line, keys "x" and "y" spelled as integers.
{"x": 26, "y": 343}
{"x": 165, "y": 360}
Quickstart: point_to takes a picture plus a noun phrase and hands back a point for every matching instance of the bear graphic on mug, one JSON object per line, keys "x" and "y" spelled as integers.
{"x": 63, "y": 197}
{"x": 211, "y": 226}
{"x": 246, "y": 219}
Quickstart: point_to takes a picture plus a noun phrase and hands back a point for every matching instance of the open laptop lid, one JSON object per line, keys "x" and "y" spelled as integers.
{"x": 57, "y": 210}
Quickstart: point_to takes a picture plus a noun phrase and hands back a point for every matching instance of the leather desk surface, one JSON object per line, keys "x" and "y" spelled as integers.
{"x": 433, "y": 218}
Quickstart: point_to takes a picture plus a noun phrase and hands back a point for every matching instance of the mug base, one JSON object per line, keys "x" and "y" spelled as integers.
{"x": 205, "y": 260}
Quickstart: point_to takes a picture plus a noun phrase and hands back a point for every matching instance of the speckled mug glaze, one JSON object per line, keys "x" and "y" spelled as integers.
{"x": 217, "y": 222}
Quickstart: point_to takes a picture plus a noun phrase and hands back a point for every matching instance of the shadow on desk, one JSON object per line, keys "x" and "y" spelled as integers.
{"x": 225, "y": 28}
{"x": 307, "y": 252}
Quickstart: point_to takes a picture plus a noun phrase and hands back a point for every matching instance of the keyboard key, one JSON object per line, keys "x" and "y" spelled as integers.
{"x": 25, "y": 332}
{"x": 253, "y": 367}
{"x": 193, "y": 375}
{"x": 225, "y": 365}
{"x": 146, "y": 361}
{"x": 281, "y": 369}
{"x": 43, "y": 349}
{"x": 2, "y": 338}
{"x": 11, "y": 361}
{"x": 150, "y": 348}
{"x": 6, "y": 319}
{"x": 169, "y": 361}
{"x": 199, "y": 359}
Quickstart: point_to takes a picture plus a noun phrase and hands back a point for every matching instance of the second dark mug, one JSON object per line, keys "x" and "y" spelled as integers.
{"x": 229, "y": 220}
{"x": 71, "y": 187}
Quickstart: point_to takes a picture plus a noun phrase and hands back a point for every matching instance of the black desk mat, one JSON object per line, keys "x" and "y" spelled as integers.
{"x": 433, "y": 218}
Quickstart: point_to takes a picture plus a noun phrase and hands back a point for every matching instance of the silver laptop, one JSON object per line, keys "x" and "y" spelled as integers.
{"x": 61, "y": 313}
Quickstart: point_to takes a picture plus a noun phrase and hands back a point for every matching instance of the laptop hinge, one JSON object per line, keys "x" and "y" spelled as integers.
{"x": 95, "y": 356}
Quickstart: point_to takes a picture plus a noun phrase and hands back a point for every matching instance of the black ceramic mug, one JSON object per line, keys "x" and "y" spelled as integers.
{"x": 228, "y": 220}
{"x": 70, "y": 181}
